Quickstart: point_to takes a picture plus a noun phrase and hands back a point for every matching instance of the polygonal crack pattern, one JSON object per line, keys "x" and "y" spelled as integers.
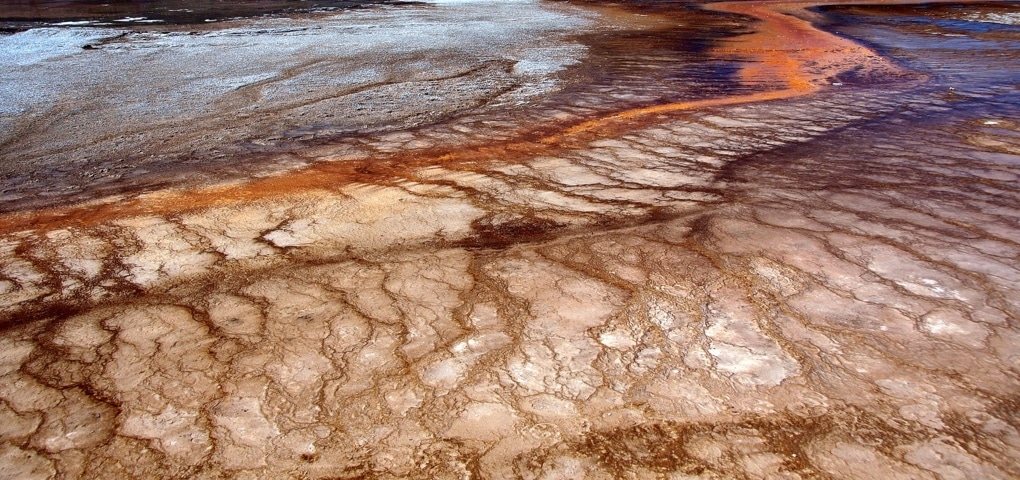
{"x": 801, "y": 288}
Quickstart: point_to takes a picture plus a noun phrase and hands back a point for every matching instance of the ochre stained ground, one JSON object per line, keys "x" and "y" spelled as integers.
{"x": 810, "y": 278}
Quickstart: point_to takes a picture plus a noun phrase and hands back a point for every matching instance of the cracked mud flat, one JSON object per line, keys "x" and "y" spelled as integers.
{"x": 580, "y": 276}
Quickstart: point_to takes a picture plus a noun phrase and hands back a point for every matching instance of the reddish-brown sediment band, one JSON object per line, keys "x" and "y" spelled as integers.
{"x": 785, "y": 51}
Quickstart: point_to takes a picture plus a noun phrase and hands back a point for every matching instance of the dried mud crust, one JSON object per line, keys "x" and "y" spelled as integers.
{"x": 769, "y": 337}
{"x": 800, "y": 288}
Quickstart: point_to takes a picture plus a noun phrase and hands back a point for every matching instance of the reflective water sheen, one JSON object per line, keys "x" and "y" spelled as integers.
{"x": 740, "y": 247}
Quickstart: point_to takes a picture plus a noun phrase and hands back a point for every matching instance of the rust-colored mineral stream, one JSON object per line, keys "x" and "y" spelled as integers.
{"x": 811, "y": 275}
{"x": 785, "y": 50}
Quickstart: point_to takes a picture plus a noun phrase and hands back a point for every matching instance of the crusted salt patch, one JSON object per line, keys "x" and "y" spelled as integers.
{"x": 168, "y": 251}
{"x": 235, "y": 232}
{"x": 25, "y": 464}
{"x": 246, "y": 431}
{"x": 564, "y": 172}
{"x": 549, "y": 406}
{"x": 563, "y": 302}
{"x": 742, "y": 351}
{"x": 39, "y": 44}
{"x": 483, "y": 421}
{"x": 83, "y": 256}
{"x": 174, "y": 432}
{"x": 618, "y": 339}
{"x": 861, "y": 461}
{"x": 545, "y": 61}
{"x": 445, "y": 374}
{"x": 374, "y": 217}
{"x": 562, "y": 368}
{"x": 951, "y": 325}
{"x": 13, "y": 354}
{"x": 23, "y": 280}
{"x": 685, "y": 394}
{"x": 949, "y": 460}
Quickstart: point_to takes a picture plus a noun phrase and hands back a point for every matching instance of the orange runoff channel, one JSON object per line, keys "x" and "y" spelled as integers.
{"x": 784, "y": 49}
